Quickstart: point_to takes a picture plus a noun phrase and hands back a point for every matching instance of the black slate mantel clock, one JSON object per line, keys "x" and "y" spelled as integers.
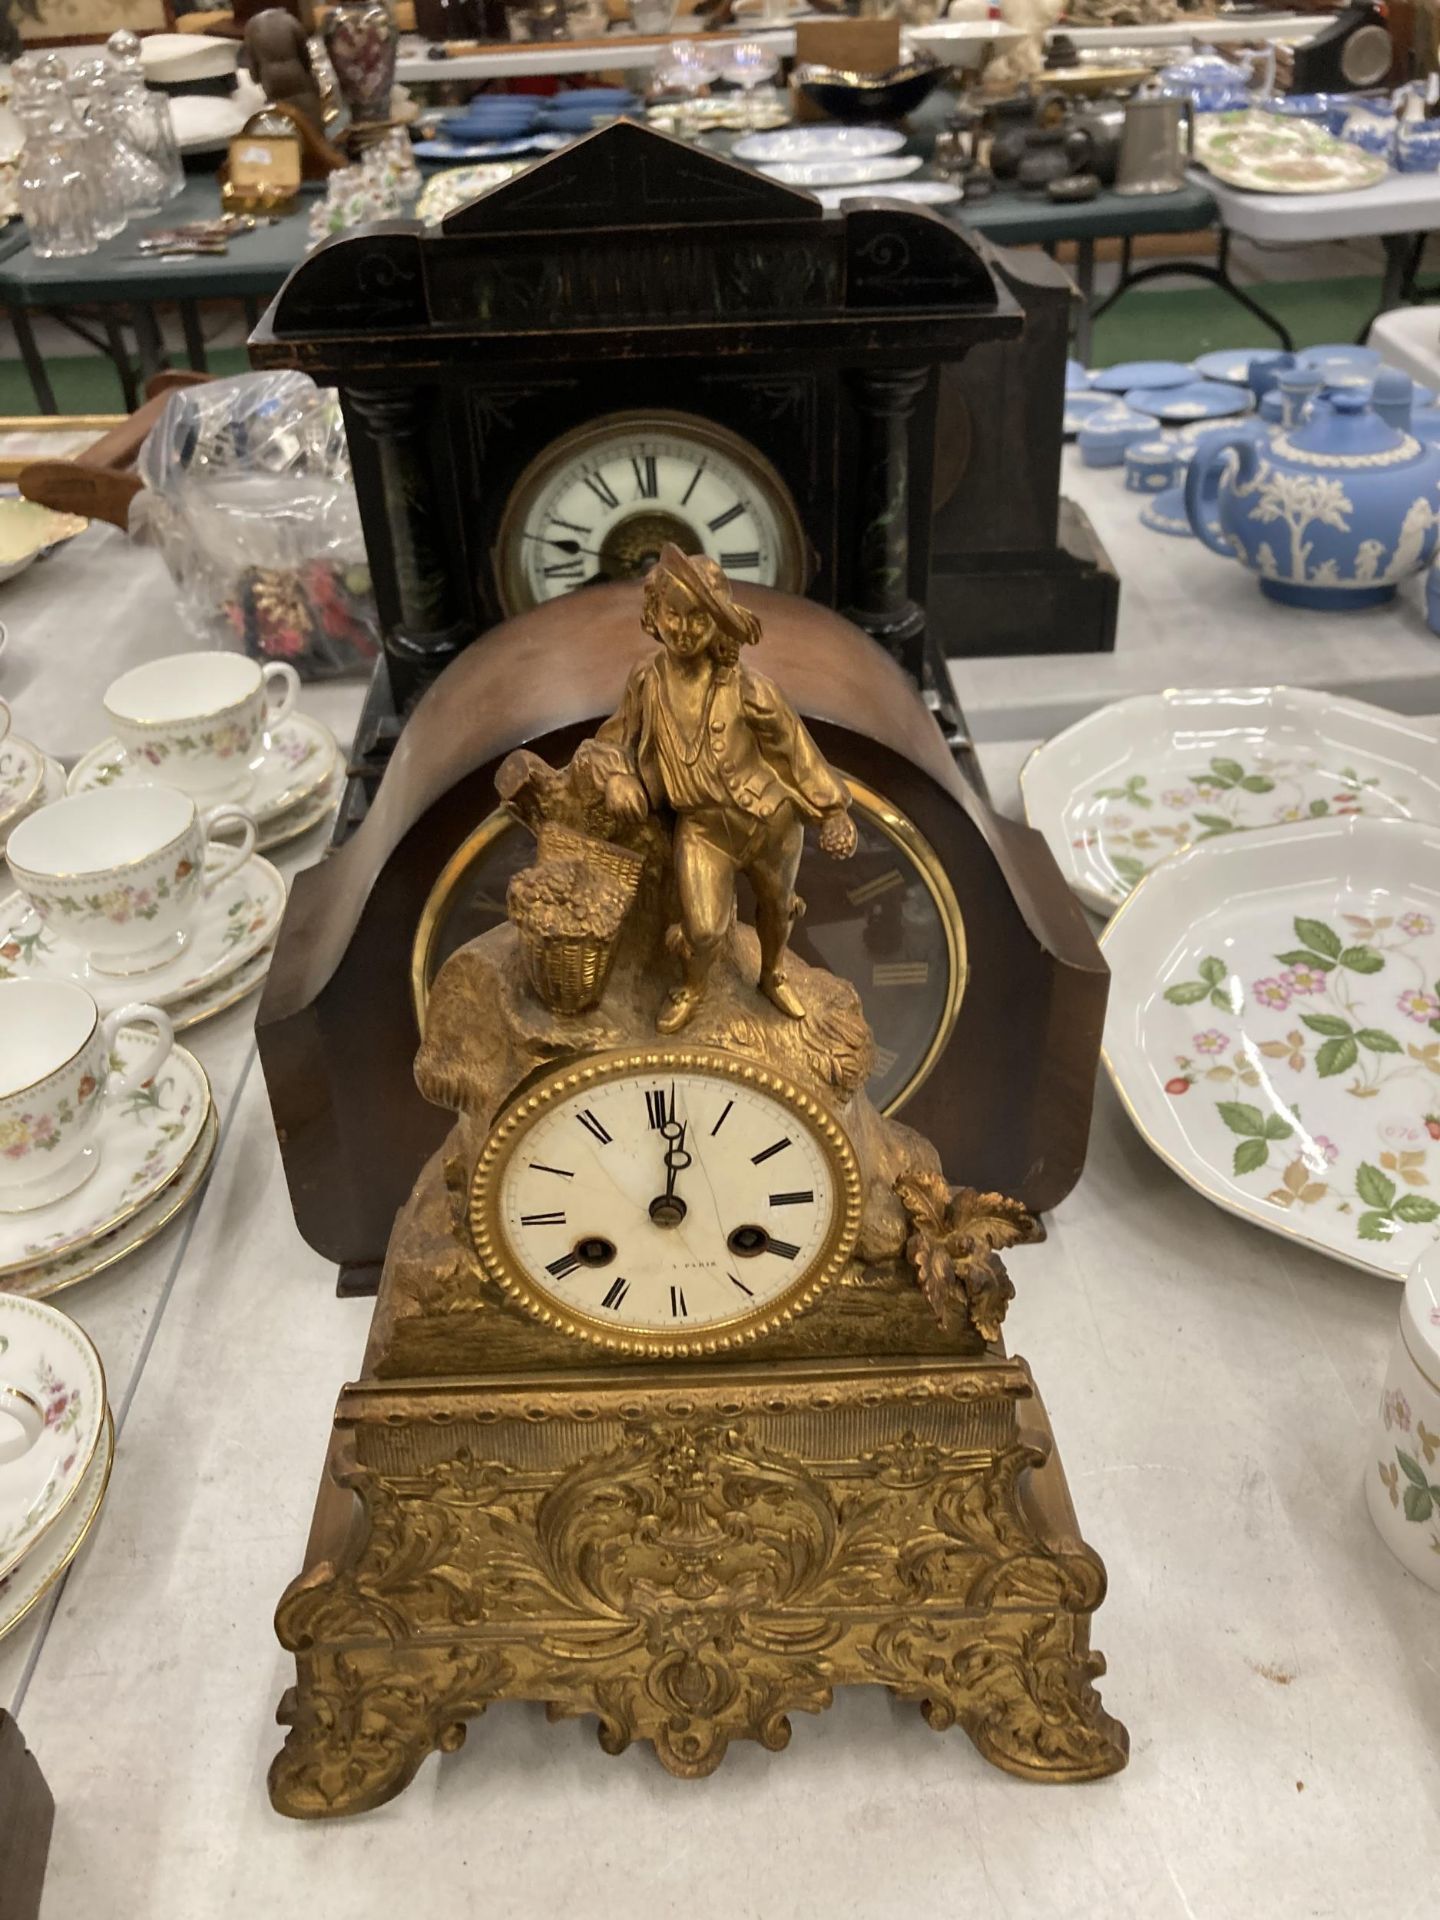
{"x": 632, "y": 342}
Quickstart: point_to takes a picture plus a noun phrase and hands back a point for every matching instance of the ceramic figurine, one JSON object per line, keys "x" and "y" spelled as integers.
{"x": 1331, "y": 514}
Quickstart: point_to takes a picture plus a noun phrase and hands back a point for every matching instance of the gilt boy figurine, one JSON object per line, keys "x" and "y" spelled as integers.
{"x": 723, "y": 751}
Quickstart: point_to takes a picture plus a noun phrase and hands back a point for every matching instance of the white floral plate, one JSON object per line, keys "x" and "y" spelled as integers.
{"x": 63, "y": 1270}
{"x": 22, "y": 774}
{"x": 1262, "y": 153}
{"x": 26, "y": 1585}
{"x": 239, "y": 919}
{"x": 145, "y": 1135}
{"x": 1274, "y": 1030}
{"x": 1121, "y": 789}
{"x": 915, "y": 193}
{"x": 51, "y": 787}
{"x": 298, "y": 763}
{"x": 57, "y": 1402}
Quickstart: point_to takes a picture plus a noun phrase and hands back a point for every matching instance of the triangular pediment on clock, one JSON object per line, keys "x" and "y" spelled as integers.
{"x": 630, "y": 176}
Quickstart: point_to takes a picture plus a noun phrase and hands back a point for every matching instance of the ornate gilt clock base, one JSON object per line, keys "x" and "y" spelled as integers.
{"x": 691, "y": 1563}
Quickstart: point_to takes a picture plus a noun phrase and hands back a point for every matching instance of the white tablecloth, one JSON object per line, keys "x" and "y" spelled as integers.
{"x": 1211, "y": 1386}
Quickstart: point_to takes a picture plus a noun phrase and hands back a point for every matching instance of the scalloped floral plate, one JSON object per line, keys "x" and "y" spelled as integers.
{"x": 1274, "y": 1030}
{"x": 27, "y": 1584}
{"x": 298, "y": 762}
{"x": 1121, "y": 789}
{"x": 51, "y": 1376}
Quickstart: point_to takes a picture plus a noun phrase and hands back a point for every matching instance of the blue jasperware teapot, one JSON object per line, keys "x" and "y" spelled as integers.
{"x": 1331, "y": 514}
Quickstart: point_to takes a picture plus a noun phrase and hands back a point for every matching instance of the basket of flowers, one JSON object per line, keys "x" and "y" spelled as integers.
{"x": 568, "y": 910}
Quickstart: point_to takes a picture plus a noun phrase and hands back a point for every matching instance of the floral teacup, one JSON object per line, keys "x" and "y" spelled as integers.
{"x": 1402, "y": 1476}
{"x": 200, "y": 720}
{"x": 121, "y": 871}
{"x": 54, "y": 1074}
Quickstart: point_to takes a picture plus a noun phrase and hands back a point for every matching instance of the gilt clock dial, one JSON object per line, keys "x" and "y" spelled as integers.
{"x": 887, "y": 919}
{"x": 601, "y": 502}
{"x": 683, "y": 1200}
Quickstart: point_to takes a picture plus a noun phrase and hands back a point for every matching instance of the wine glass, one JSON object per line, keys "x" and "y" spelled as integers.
{"x": 688, "y": 71}
{"x": 748, "y": 64}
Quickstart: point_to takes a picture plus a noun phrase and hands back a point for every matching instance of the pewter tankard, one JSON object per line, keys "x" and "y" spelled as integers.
{"x": 1152, "y": 157}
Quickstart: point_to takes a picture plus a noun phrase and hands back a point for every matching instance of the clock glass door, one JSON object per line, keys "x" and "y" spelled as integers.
{"x": 887, "y": 919}
{"x": 601, "y": 502}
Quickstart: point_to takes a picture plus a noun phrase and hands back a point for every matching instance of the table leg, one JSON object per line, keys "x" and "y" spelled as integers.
{"x": 119, "y": 355}
{"x": 1218, "y": 276}
{"x": 194, "y": 335}
{"x": 1402, "y": 259}
{"x": 34, "y": 360}
{"x": 149, "y": 345}
{"x": 1085, "y": 280}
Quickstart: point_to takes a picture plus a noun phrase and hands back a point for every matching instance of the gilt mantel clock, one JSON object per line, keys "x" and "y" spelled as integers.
{"x": 631, "y": 343}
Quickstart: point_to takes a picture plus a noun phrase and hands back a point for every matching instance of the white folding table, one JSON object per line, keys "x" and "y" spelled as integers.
{"x": 1401, "y": 209}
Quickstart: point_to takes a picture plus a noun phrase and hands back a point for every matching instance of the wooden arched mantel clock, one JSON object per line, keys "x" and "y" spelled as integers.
{"x": 976, "y": 967}
{"x": 635, "y": 341}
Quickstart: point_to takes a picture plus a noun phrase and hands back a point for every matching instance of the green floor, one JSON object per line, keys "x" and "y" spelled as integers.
{"x": 1157, "y": 323}
{"x": 1148, "y": 323}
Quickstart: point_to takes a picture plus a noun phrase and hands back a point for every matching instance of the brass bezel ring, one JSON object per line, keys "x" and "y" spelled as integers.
{"x": 791, "y": 568}
{"x": 882, "y": 813}
{"x": 499, "y": 1262}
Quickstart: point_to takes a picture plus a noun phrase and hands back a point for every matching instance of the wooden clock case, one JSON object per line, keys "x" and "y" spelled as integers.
{"x": 633, "y": 271}
{"x": 1008, "y": 1101}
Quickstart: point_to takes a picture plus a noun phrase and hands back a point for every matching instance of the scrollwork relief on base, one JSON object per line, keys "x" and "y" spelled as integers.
{"x": 692, "y": 1585}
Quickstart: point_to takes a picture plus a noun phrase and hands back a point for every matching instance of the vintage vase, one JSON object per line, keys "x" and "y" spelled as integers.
{"x": 1331, "y": 515}
{"x": 361, "y": 40}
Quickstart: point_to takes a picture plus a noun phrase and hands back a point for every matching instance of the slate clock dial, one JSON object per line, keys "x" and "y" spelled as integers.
{"x": 599, "y": 503}
{"x": 680, "y": 1198}
{"x": 887, "y": 919}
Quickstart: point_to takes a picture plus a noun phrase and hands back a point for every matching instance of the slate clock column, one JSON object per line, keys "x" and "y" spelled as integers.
{"x": 428, "y": 629}
{"x": 885, "y": 398}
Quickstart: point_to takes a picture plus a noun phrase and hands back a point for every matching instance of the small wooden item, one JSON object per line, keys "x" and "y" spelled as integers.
{"x": 100, "y": 483}
{"x": 27, "y": 1813}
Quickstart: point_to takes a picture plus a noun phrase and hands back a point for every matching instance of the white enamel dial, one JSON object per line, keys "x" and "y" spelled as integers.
{"x": 601, "y": 503}
{"x": 667, "y": 1202}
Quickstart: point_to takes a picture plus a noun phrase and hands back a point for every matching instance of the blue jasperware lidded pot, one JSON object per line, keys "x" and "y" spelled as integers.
{"x": 1331, "y": 515}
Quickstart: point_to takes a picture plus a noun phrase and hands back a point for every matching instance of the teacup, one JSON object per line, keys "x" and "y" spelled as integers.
{"x": 200, "y": 719}
{"x": 55, "y": 1076}
{"x": 121, "y": 871}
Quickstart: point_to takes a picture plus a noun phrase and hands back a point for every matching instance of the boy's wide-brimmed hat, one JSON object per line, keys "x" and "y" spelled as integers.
{"x": 704, "y": 580}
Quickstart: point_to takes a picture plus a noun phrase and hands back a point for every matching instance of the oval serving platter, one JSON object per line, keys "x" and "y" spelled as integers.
{"x": 1274, "y": 1030}
{"x": 1141, "y": 779}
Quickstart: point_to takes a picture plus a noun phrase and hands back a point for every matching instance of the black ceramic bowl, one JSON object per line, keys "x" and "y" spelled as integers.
{"x": 870, "y": 96}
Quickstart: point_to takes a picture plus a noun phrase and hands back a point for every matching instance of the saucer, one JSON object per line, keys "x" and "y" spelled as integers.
{"x": 842, "y": 173}
{"x": 1196, "y": 400}
{"x": 22, "y": 772}
{"x": 192, "y": 1008}
{"x": 52, "y": 787}
{"x": 240, "y": 918}
{"x": 144, "y": 1136}
{"x": 28, "y": 1583}
{"x": 62, "y": 1383}
{"x": 1132, "y": 375}
{"x": 1165, "y": 513}
{"x": 819, "y": 143}
{"x": 79, "y": 1263}
{"x": 916, "y": 193}
{"x": 282, "y": 828}
{"x": 297, "y": 763}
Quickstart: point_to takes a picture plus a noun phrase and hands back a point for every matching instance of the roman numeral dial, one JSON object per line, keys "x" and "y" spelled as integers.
{"x": 601, "y": 502}
{"x": 664, "y": 1202}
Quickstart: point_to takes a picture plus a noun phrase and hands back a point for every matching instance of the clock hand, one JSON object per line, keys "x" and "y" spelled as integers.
{"x": 668, "y": 1209}
{"x": 563, "y": 546}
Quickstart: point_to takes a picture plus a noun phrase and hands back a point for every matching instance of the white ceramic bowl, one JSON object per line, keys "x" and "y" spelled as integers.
{"x": 1402, "y": 1480}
